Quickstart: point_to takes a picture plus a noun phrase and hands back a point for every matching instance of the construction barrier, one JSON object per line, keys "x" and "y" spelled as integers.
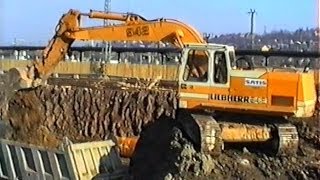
{"x": 5, "y": 65}
{"x": 18, "y": 161}
{"x": 143, "y": 71}
{"x": 91, "y": 158}
{"x": 81, "y": 161}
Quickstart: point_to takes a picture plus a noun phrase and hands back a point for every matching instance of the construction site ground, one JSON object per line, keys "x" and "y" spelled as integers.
{"x": 87, "y": 110}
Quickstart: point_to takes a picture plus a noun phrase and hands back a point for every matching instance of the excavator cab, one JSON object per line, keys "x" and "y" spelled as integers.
{"x": 209, "y": 80}
{"x": 204, "y": 67}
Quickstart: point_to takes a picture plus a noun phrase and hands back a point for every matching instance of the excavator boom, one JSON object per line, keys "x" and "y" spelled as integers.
{"x": 58, "y": 46}
{"x": 133, "y": 28}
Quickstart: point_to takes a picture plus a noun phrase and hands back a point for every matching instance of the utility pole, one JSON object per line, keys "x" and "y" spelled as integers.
{"x": 252, "y": 14}
{"x": 107, "y": 9}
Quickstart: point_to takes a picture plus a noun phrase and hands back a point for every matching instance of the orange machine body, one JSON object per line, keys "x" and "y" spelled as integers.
{"x": 267, "y": 91}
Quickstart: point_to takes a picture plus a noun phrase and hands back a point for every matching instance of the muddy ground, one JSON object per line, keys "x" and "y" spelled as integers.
{"x": 45, "y": 115}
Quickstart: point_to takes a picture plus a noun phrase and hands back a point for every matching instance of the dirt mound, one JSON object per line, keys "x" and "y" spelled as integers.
{"x": 44, "y": 115}
{"x": 168, "y": 155}
{"x": 309, "y": 130}
{"x": 172, "y": 156}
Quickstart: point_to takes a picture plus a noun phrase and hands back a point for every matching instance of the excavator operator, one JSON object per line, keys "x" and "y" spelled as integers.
{"x": 197, "y": 67}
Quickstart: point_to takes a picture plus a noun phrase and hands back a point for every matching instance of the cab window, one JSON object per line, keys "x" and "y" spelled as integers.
{"x": 232, "y": 58}
{"x": 220, "y": 68}
{"x": 196, "y": 69}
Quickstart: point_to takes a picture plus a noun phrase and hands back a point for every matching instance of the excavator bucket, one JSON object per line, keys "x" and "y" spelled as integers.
{"x": 23, "y": 78}
{"x": 19, "y": 79}
{"x": 14, "y": 80}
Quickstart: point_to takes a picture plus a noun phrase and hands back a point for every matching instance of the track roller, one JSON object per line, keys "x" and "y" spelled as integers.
{"x": 287, "y": 140}
{"x": 210, "y": 132}
{"x": 203, "y": 131}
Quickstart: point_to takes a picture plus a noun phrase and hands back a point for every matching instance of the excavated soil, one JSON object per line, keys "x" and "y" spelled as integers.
{"x": 45, "y": 115}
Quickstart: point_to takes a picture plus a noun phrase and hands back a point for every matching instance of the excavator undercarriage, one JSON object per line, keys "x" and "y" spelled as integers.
{"x": 209, "y": 135}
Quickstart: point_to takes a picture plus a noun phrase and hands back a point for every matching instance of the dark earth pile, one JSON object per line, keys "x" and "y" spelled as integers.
{"x": 168, "y": 155}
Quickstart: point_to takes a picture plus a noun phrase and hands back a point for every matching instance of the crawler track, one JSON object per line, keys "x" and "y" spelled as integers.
{"x": 288, "y": 139}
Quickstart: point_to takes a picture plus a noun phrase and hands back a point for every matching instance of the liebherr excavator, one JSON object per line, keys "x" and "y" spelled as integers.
{"x": 209, "y": 80}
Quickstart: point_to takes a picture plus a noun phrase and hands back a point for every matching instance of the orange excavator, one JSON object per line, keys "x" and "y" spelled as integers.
{"x": 210, "y": 80}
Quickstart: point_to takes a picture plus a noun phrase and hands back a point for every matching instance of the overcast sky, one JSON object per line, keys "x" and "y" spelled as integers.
{"x": 34, "y": 20}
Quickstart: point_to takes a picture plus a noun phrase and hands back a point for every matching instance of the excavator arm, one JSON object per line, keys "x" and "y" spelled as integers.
{"x": 132, "y": 28}
{"x": 136, "y": 28}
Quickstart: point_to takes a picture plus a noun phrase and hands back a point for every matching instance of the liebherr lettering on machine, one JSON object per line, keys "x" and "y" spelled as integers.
{"x": 240, "y": 99}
